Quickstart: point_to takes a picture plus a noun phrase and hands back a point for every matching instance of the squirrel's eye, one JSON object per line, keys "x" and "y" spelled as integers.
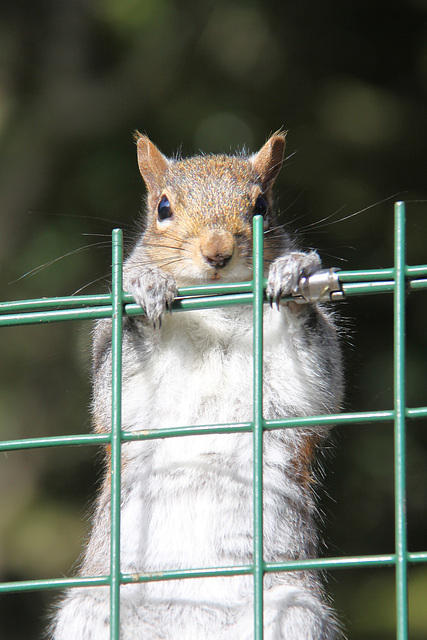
{"x": 164, "y": 210}
{"x": 261, "y": 206}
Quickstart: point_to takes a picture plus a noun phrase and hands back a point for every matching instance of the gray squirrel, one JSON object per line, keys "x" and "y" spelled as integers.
{"x": 187, "y": 502}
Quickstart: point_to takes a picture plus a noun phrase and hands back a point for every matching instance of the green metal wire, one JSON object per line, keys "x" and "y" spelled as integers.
{"x": 343, "y": 419}
{"x": 347, "y": 562}
{"x": 258, "y": 422}
{"x": 398, "y": 280}
{"x": 22, "y": 312}
{"x": 399, "y": 425}
{"x": 116, "y": 428}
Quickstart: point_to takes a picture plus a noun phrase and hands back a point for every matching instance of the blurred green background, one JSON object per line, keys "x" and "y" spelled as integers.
{"x": 349, "y": 82}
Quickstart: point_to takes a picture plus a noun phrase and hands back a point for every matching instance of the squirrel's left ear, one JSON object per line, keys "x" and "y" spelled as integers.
{"x": 268, "y": 161}
{"x": 152, "y": 163}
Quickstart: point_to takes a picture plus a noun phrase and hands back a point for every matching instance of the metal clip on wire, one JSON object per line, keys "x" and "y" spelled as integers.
{"x": 319, "y": 287}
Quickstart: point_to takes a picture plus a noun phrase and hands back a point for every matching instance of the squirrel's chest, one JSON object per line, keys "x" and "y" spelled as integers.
{"x": 199, "y": 370}
{"x": 196, "y": 373}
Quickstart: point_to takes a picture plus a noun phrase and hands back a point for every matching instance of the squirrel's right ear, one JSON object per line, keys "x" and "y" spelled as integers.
{"x": 152, "y": 163}
{"x": 268, "y": 161}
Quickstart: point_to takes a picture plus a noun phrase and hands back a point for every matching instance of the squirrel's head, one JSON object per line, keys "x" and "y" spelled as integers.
{"x": 200, "y": 210}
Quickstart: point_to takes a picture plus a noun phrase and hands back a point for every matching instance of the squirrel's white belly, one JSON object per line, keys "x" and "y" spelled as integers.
{"x": 195, "y": 492}
{"x": 188, "y": 500}
{"x": 202, "y": 373}
{"x": 190, "y": 379}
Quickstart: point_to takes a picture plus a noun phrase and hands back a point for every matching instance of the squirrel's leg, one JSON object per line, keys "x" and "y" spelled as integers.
{"x": 84, "y": 614}
{"x": 297, "y": 613}
{"x": 291, "y": 612}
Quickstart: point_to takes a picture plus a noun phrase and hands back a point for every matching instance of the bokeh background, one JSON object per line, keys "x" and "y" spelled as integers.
{"x": 77, "y": 77}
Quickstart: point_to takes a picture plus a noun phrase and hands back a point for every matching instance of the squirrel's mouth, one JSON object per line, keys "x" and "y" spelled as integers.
{"x": 231, "y": 273}
{"x": 197, "y": 270}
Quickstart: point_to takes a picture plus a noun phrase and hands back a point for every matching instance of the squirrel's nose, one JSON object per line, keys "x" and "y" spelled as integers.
{"x": 218, "y": 260}
{"x": 217, "y": 248}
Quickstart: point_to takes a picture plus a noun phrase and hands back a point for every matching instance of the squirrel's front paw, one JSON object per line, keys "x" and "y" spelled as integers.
{"x": 154, "y": 291}
{"x": 286, "y": 272}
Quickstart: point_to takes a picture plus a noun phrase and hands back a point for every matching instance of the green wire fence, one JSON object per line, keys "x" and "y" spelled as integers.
{"x": 398, "y": 280}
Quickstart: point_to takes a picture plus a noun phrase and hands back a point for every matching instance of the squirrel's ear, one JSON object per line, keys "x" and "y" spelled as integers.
{"x": 268, "y": 161}
{"x": 152, "y": 163}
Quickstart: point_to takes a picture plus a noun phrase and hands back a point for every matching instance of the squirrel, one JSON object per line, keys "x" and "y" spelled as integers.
{"x": 186, "y": 502}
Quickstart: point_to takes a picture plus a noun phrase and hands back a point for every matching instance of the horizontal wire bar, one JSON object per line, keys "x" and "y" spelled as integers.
{"x": 419, "y": 270}
{"x": 366, "y": 288}
{"x": 191, "y": 304}
{"x": 331, "y": 563}
{"x": 363, "y": 275}
{"x": 419, "y": 412}
{"x": 55, "y": 303}
{"x": 84, "y": 301}
{"x": 172, "y": 432}
{"x": 330, "y": 419}
{"x": 55, "y": 441}
{"x": 91, "y": 307}
{"x": 54, "y": 583}
{"x": 60, "y": 315}
{"x": 182, "y": 574}
{"x": 380, "y": 274}
{"x": 213, "y": 289}
{"x": 346, "y": 562}
{"x": 418, "y": 284}
{"x": 184, "y": 304}
{"x": 270, "y": 425}
{"x": 417, "y": 556}
{"x": 360, "y": 417}
{"x": 130, "y": 309}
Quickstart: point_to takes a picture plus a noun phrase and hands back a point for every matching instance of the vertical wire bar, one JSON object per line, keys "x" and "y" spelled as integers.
{"x": 258, "y": 289}
{"x": 399, "y": 425}
{"x": 117, "y": 295}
